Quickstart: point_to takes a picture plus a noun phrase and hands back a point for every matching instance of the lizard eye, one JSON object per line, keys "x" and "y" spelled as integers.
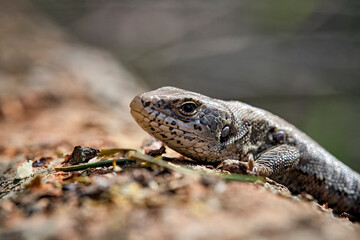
{"x": 188, "y": 108}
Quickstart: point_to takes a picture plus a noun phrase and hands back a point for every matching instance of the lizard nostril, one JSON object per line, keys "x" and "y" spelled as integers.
{"x": 147, "y": 103}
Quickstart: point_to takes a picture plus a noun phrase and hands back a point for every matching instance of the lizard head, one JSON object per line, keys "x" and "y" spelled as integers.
{"x": 192, "y": 124}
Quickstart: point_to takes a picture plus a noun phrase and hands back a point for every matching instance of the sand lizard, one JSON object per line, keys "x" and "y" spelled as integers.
{"x": 235, "y": 133}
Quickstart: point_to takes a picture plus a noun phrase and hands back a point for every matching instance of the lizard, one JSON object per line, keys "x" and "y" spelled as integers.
{"x": 236, "y": 134}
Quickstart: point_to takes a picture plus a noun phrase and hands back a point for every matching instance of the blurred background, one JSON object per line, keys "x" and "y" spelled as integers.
{"x": 297, "y": 59}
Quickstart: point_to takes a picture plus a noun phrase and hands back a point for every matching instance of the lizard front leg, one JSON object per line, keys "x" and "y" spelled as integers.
{"x": 272, "y": 162}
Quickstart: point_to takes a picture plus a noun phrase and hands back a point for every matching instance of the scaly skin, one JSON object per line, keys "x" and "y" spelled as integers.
{"x": 212, "y": 130}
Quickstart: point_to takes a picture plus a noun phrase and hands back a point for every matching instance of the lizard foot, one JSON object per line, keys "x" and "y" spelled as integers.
{"x": 234, "y": 166}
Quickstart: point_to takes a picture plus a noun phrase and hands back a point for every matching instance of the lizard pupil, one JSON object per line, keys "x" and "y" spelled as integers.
{"x": 188, "y": 107}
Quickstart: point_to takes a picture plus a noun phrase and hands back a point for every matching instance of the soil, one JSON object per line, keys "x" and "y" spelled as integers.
{"x": 138, "y": 202}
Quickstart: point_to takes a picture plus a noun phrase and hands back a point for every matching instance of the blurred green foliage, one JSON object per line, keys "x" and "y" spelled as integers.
{"x": 272, "y": 17}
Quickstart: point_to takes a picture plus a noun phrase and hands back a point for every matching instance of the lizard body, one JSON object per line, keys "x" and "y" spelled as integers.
{"x": 213, "y": 130}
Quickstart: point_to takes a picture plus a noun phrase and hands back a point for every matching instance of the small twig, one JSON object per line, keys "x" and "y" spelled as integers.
{"x": 146, "y": 158}
{"x": 105, "y": 163}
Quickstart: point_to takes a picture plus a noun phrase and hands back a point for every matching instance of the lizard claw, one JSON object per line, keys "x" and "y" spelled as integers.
{"x": 233, "y": 166}
{"x": 252, "y": 168}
